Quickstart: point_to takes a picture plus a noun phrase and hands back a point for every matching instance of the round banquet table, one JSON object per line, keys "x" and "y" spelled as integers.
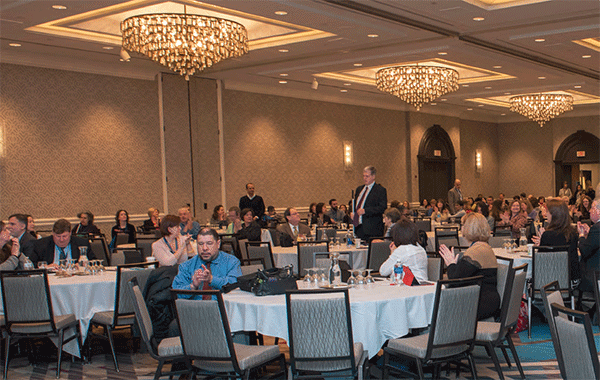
{"x": 289, "y": 255}
{"x": 379, "y": 312}
{"x": 519, "y": 258}
{"x": 82, "y": 296}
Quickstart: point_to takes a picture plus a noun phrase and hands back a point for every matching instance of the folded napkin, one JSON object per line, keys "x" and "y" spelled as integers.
{"x": 409, "y": 278}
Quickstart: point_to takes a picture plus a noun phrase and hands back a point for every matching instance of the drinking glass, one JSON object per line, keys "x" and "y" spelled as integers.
{"x": 100, "y": 266}
{"x": 360, "y": 278}
{"x": 351, "y": 279}
{"x": 307, "y": 277}
{"x": 323, "y": 279}
{"x": 369, "y": 279}
{"x": 42, "y": 264}
{"x": 62, "y": 265}
{"x": 330, "y": 241}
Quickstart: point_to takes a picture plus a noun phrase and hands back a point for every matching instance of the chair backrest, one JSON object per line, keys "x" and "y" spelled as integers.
{"x": 305, "y": 253}
{"x": 124, "y": 303}
{"x": 248, "y": 268}
{"x": 597, "y": 292}
{"x": 423, "y": 224}
{"x": 100, "y": 249}
{"x": 326, "y": 233}
{"x": 132, "y": 256}
{"x": 205, "y": 332}
{"x": 496, "y": 241}
{"x": 505, "y": 230}
{"x": 141, "y": 313}
{"x": 501, "y": 278}
{"x": 550, "y": 294}
{"x": 242, "y": 247}
{"x": 454, "y": 318}
{"x": 26, "y": 299}
{"x": 121, "y": 239}
{"x": 446, "y": 235}
{"x": 575, "y": 338}
{"x": 550, "y": 264}
{"x": 145, "y": 245}
{"x": 435, "y": 268}
{"x": 262, "y": 250}
{"x": 377, "y": 254}
{"x": 320, "y": 330}
{"x": 511, "y": 298}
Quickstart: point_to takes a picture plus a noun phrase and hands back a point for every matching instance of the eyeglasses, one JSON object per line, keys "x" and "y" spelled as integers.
{"x": 206, "y": 244}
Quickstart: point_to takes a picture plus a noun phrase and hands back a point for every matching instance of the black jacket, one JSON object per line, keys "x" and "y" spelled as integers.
{"x": 157, "y": 295}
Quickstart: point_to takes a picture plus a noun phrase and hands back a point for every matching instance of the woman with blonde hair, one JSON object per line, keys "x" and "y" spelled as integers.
{"x": 154, "y": 222}
{"x": 478, "y": 260}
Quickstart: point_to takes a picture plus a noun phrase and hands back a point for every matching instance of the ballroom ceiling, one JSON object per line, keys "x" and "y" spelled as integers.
{"x": 501, "y": 48}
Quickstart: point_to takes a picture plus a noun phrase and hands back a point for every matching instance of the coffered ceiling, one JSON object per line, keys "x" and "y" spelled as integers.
{"x": 500, "y": 48}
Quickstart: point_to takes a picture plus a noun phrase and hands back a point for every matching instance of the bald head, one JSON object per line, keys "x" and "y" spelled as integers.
{"x": 457, "y": 183}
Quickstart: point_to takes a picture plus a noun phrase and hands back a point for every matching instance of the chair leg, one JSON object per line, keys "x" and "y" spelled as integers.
{"x": 515, "y": 356}
{"x": 420, "y": 369}
{"x": 159, "y": 370}
{"x": 7, "y": 356}
{"x": 386, "y": 362}
{"x": 112, "y": 346}
{"x": 495, "y": 360}
{"x": 61, "y": 336}
{"x": 529, "y": 317}
{"x": 79, "y": 337}
{"x": 472, "y": 364}
{"x": 506, "y": 358}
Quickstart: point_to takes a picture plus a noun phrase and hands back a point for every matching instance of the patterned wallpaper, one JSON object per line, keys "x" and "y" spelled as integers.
{"x": 77, "y": 141}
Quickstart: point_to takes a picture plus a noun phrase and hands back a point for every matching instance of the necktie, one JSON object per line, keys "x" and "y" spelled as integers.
{"x": 296, "y": 232}
{"x": 63, "y": 255}
{"x": 206, "y": 284}
{"x": 356, "y": 217}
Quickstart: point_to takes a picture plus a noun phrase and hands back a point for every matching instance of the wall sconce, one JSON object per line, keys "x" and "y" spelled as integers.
{"x": 314, "y": 84}
{"x": 2, "y": 142}
{"x": 478, "y": 161}
{"x": 348, "y": 155}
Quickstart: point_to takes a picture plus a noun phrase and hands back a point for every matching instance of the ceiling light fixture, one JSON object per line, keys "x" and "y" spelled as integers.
{"x": 14, "y": 45}
{"x": 184, "y": 43}
{"x": 541, "y": 107}
{"x": 586, "y": 56}
{"x": 314, "y": 84}
{"x": 497, "y": 67}
{"x": 282, "y": 82}
{"x": 59, "y": 7}
{"x": 478, "y": 18}
{"x": 373, "y": 35}
{"x": 442, "y": 53}
{"x": 357, "y": 64}
{"x": 124, "y": 55}
{"x": 283, "y": 75}
{"x": 283, "y": 50}
{"x": 417, "y": 85}
{"x": 107, "y": 47}
{"x": 539, "y": 40}
{"x": 281, "y": 13}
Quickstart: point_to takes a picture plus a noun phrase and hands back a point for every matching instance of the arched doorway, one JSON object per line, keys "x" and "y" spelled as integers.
{"x": 436, "y": 164}
{"x": 576, "y": 158}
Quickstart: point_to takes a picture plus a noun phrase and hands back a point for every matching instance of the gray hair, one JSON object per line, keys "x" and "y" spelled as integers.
{"x": 370, "y": 169}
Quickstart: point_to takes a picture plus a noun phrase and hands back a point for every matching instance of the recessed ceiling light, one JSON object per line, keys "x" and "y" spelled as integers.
{"x": 586, "y": 56}
{"x": 497, "y": 67}
{"x": 541, "y": 77}
{"x": 433, "y": 104}
{"x": 442, "y": 53}
{"x": 283, "y": 50}
{"x": 281, "y": 13}
{"x": 469, "y": 109}
{"x": 502, "y": 114}
{"x": 373, "y": 35}
{"x": 347, "y": 84}
{"x": 465, "y": 85}
{"x": 444, "y": 100}
{"x": 283, "y": 81}
{"x": 358, "y": 64}
{"x": 488, "y": 88}
{"x": 478, "y": 18}
{"x": 14, "y": 45}
{"x": 507, "y": 93}
{"x": 480, "y": 105}
{"x": 539, "y": 40}
{"x": 107, "y": 47}
{"x": 283, "y": 75}
{"x": 61, "y": 7}
{"x": 343, "y": 90}
{"x": 577, "y": 86}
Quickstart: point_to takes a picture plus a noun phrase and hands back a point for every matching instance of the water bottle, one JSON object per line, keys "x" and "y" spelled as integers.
{"x": 83, "y": 259}
{"x": 335, "y": 273}
{"x": 398, "y": 273}
{"x": 523, "y": 238}
{"x": 27, "y": 264}
{"x": 348, "y": 238}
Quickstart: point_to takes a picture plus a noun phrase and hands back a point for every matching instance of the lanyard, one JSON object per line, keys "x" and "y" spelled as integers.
{"x": 168, "y": 245}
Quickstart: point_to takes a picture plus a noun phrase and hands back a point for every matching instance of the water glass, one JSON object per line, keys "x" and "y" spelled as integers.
{"x": 369, "y": 279}
{"x": 42, "y": 264}
{"x": 351, "y": 279}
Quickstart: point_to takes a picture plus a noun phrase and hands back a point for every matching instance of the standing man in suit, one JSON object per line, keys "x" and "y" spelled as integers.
{"x": 369, "y": 205}
{"x": 253, "y": 201}
{"x": 17, "y": 226}
{"x": 454, "y": 195}
{"x": 61, "y": 245}
{"x": 589, "y": 247}
{"x": 293, "y": 227}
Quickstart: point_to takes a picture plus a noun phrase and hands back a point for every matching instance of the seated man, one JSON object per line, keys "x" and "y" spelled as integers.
{"x": 17, "y": 226}
{"x": 210, "y": 269}
{"x": 188, "y": 225}
{"x": 459, "y": 210}
{"x": 234, "y": 219}
{"x": 61, "y": 245}
{"x": 293, "y": 227}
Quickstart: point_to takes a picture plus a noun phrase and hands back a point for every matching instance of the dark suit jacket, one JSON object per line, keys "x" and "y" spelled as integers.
{"x": 453, "y": 197}
{"x": 43, "y": 249}
{"x": 26, "y": 239}
{"x": 590, "y": 257}
{"x": 375, "y": 205}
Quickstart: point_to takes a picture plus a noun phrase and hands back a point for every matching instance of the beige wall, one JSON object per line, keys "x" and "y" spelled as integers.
{"x": 80, "y": 141}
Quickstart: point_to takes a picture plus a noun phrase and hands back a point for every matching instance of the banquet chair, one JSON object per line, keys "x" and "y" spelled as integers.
{"x": 28, "y": 312}
{"x": 504, "y": 231}
{"x": 575, "y": 338}
{"x": 257, "y": 249}
{"x": 242, "y": 248}
{"x": 446, "y": 235}
{"x": 169, "y": 350}
{"x": 378, "y": 252}
{"x": 131, "y": 256}
{"x": 435, "y": 268}
{"x": 494, "y": 334}
{"x": 549, "y": 264}
{"x": 100, "y": 249}
{"x": 452, "y": 330}
{"x": 145, "y": 245}
{"x": 123, "y": 315}
{"x": 121, "y": 239}
{"x": 550, "y": 294}
{"x": 496, "y": 241}
{"x": 305, "y": 251}
{"x": 423, "y": 224}
{"x": 326, "y": 233}
{"x": 247, "y": 267}
{"x": 207, "y": 339}
{"x": 320, "y": 335}
{"x": 502, "y": 278}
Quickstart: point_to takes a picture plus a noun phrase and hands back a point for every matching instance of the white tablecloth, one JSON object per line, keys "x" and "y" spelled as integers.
{"x": 378, "y": 313}
{"x": 289, "y": 255}
{"x": 519, "y": 258}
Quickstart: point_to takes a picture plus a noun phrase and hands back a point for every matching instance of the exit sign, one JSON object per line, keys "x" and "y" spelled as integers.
{"x": 581, "y": 153}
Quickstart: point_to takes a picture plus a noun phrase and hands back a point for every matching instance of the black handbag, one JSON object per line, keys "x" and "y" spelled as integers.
{"x": 269, "y": 282}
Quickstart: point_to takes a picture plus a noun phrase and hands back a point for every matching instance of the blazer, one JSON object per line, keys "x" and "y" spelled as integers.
{"x": 26, "y": 239}
{"x": 453, "y": 197}
{"x": 375, "y": 205}
{"x": 43, "y": 249}
{"x": 285, "y": 228}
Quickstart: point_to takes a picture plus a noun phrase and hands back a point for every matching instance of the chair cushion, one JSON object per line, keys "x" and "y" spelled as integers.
{"x": 170, "y": 347}
{"x": 332, "y": 365}
{"x": 247, "y": 356}
{"x": 416, "y": 346}
{"x": 61, "y": 321}
{"x": 487, "y": 331}
{"x": 106, "y": 318}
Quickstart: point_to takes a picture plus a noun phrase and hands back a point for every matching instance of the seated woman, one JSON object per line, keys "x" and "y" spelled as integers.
{"x": 86, "y": 225}
{"x": 583, "y": 211}
{"x": 122, "y": 227}
{"x": 347, "y": 219}
{"x": 172, "y": 248}
{"x": 405, "y": 247}
{"x": 514, "y": 218}
{"x": 249, "y": 228}
{"x": 478, "y": 260}
{"x": 560, "y": 232}
{"x": 321, "y": 218}
{"x": 312, "y": 211}
{"x": 390, "y": 217}
{"x": 154, "y": 222}
{"x": 10, "y": 256}
{"x": 218, "y": 217}
{"x": 440, "y": 212}
{"x": 31, "y": 227}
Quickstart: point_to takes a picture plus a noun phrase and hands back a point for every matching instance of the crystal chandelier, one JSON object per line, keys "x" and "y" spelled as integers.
{"x": 182, "y": 42}
{"x": 541, "y": 107}
{"x": 417, "y": 85}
